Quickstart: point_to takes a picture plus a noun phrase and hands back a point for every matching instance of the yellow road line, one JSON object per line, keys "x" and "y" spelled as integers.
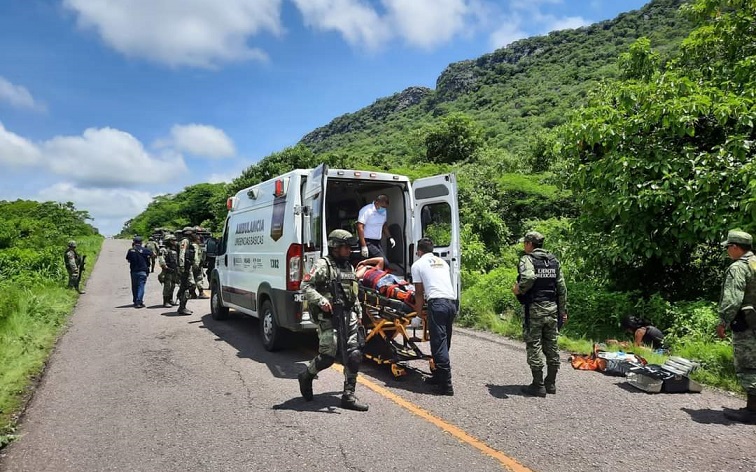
{"x": 458, "y": 433}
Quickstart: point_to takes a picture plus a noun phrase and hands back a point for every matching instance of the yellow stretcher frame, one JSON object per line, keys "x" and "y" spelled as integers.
{"x": 388, "y": 326}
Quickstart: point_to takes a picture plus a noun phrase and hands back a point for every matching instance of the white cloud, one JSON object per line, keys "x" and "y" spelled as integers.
{"x": 199, "y": 33}
{"x": 110, "y": 208}
{"x": 426, "y": 23}
{"x": 109, "y": 157}
{"x": 569, "y": 22}
{"x": 202, "y": 140}
{"x": 17, "y": 151}
{"x": 221, "y": 178}
{"x": 18, "y": 96}
{"x": 507, "y": 33}
{"x": 358, "y": 22}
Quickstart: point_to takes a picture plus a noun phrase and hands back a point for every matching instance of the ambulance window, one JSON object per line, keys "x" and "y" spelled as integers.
{"x": 436, "y": 222}
{"x": 316, "y": 223}
{"x": 223, "y": 243}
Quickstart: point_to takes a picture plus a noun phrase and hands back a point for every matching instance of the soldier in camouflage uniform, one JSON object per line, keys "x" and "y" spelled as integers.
{"x": 169, "y": 276}
{"x": 540, "y": 288}
{"x": 73, "y": 266}
{"x": 186, "y": 258}
{"x": 317, "y": 292}
{"x": 737, "y": 310}
{"x": 197, "y": 278}
{"x": 152, "y": 245}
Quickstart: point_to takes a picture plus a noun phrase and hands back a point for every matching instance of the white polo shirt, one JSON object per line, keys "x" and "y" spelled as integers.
{"x": 372, "y": 220}
{"x": 433, "y": 272}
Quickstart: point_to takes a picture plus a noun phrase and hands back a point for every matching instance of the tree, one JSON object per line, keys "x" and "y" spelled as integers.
{"x": 455, "y": 138}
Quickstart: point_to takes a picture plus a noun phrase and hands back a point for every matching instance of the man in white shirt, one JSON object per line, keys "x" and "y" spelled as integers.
{"x": 433, "y": 285}
{"x": 371, "y": 227}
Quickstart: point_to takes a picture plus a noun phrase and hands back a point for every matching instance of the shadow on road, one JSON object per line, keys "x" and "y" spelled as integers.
{"x": 708, "y": 416}
{"x": 411, "y": 382}
{"x": 242, "y": 333}
{"x": 505, "y": 391}
{"x": 130, "y": 305}
{"x": 626, "y": 386}
{"x": 326, "y": 402}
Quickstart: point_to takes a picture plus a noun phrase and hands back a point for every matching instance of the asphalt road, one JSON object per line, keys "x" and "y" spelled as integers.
{"x": 146, "y": 390}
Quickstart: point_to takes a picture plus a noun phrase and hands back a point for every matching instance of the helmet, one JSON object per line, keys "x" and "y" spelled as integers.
{"x": 188, "y": 230}
{"x": 340, "y": 237}
{"x": 169, "y": 237}
{"x": 71, "y": 243}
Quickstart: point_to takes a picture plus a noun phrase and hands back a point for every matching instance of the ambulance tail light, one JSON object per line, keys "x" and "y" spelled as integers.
{"x": 293, "y": 267}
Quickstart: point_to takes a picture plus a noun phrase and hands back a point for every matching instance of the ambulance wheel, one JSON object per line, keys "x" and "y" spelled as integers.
{"x": 217, "y": 310}
{"x": 270, "y": 333}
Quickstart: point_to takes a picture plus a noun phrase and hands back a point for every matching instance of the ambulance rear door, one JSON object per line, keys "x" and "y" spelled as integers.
{"x": 436, "y": 216}
{"x": 313, "y": 222}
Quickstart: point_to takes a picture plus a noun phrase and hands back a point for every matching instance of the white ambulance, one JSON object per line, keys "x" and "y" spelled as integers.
{"x": 276, "y": 230}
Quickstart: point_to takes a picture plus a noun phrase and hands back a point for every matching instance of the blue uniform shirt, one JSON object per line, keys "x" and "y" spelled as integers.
{"x": 138, "y": 258}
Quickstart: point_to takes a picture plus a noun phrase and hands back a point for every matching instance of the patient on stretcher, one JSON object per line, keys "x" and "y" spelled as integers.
{"x": 372, "y": 275}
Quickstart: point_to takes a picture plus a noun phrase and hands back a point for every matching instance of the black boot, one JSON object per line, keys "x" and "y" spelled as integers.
{"x": 305, "y": 384}
{"x": 167, "y": 303}
{"x": 745, "y": 415}
{"x": 348, "y": 400}
{"x": 550, "y": 381}
{"x": 441, "y": 382}
{"x": 535, "y": 389}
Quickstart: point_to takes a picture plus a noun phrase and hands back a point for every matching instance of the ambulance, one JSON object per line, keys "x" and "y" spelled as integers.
{"x": 276, "y": 230}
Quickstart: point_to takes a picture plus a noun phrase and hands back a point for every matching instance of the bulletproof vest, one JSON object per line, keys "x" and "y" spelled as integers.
{"x": 345, "y": 271}
{"x": 749, "y": 296}
{"x": 171, "y": 259}
{"x": 189, "y": 253}
{"x": 546, "y": 272}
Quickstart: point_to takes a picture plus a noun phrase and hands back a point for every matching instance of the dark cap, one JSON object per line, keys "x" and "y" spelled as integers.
{"x": 137, "y": 239}
{"x": 533, "y": 237}
{"x": 738, "y": 237}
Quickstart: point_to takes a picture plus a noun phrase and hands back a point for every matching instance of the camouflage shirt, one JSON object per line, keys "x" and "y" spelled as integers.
{"x": 738, "y": 288}
{"x": 528, "y": 278}
{"x": 316, "y": 285}
{"x": 72, "y": 261}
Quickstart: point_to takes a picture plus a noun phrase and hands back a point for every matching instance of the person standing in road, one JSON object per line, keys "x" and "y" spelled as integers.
{"x": 185, "y": 262}
{"x": 74, "y": 263}
{"x": 168, "y": 261}
{"x": 197, "y": 277}
{"x": 316, "y": 287}
{"x": 433, "y": 286}
{"x": 541, "y": 289}
{"x": 152, "y": 245}
{"x": 737, "y": 310}
{"x": 139, "y": 262}
{"x": 371, "y": 226}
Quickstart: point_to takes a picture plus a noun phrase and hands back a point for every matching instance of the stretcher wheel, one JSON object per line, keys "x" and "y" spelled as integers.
{"x": 432, "y": 365}
{"x": 398, "y": 371}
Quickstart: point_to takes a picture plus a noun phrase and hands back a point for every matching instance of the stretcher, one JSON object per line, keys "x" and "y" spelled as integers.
{"x": 392, "y": 331}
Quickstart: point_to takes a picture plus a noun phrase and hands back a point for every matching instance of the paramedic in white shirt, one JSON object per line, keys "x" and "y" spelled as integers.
{"x": 371, "y": 226}
{"x": 433, "y": 285}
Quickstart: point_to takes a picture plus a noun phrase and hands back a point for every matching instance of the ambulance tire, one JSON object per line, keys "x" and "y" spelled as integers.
{"x": 271, "y": 334}
{"x": 217, "y": 310}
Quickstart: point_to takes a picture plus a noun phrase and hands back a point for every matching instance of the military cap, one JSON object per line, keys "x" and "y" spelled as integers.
{"x": 533, "y": 237}
{"x": 738, "y": 237}
{"x": 137, "y": 239}
{"x": 71, "y": 243}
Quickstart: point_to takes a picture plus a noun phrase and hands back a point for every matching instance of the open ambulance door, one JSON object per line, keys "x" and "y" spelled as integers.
{"x": 313, "y": 223}
{"x": 436, "y": 216}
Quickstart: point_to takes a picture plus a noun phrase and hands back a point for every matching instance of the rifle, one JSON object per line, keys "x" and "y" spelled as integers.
{"x": 83, "y": 265}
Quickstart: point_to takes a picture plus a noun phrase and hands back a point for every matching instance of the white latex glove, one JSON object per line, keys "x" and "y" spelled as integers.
{"x": 364, "y": 251}
{"x": 392, "y": 242}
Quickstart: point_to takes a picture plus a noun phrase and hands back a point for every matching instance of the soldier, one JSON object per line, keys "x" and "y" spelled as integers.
{"x": 74, "y": 263}
{"x": 185, "y": 262}
{"x": 197, "y": 277}
{"x": 152, "y": 245}
{"x": 168, "y": 261}
{"x": 540, "y": 288}
{"x": 318, "y": 294}
{"x": 737, "y": 309}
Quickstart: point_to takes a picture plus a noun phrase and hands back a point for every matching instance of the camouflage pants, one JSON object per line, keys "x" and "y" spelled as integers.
{"x": 197, "y": 278}
{"x": 73, "y": 281}
{"x": 541, "y": 337}
{"x": 169, "y": 285}
{"x": 328, "y": 344}
{"x": 744, "y": 350}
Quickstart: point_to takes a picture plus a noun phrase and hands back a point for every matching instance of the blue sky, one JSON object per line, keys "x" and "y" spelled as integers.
{"x": 107, "y": 103}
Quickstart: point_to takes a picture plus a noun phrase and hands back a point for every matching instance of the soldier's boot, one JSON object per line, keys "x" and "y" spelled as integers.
{"x": 80, "y": 291}
{"x": 348, "y": 399}
{"x": 305, "y": 384}
{"x": 174, "y": 303}
{"x": 193, "y": 294}
{"x": 444, "y": 383}
{"x": 183, "y": 310}
{"x": 550, "y": 381}
{"x": 745, "y": 415}
{"x": 537, "y": 388}
{"x": 167, "y": 302}
{"x": 202, "y": 294}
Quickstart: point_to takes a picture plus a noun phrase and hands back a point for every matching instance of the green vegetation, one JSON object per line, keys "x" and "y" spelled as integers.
{"x": 628, "y": 143}
{"x": 35, "y": 302}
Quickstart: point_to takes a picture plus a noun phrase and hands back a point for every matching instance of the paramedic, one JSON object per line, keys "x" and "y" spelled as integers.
{"x": 541, "y": 289}
{"x": 371, "y": 226}
{"x": 316, "y": 287}
{"x": 737, "y": 310}
{"x": 432, "y": 279}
